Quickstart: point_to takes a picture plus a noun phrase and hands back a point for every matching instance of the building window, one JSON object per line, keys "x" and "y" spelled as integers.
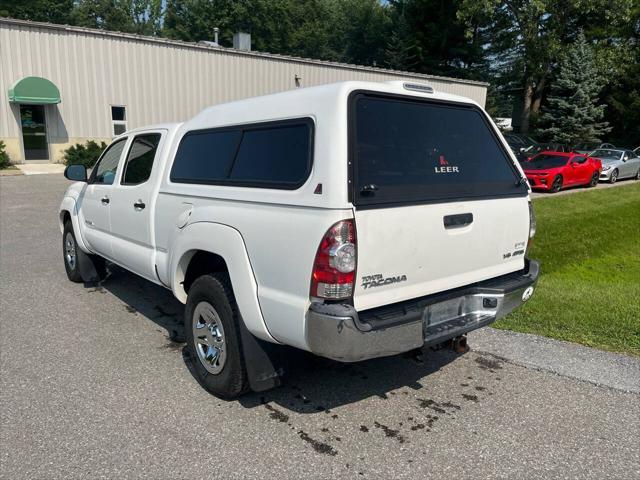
{"x": 119, "y": 120}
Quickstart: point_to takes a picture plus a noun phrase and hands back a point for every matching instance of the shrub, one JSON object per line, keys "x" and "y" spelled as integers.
{"x": 84, "y": 154}
{"x": 4, "y": 157}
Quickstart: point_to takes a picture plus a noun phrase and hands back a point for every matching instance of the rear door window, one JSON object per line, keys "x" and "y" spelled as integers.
{"x": 142, "y": 152}
{"x": 414, "y": 151}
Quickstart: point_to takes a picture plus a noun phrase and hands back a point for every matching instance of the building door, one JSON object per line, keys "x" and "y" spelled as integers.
{"x": 34, "y": 132}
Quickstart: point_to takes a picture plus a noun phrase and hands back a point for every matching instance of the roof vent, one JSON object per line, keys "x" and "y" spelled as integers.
{"x": 418, "y": 87}
{"x": 242, "y": 41}
{"x": 209, "y": 43}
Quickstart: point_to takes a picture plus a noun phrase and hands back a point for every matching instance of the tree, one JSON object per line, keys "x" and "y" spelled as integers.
{"x": 622, "y": 90}
{"x": 532, "y": 34}
{"x": 399, "y": 53}
{"x": 428, "y": 37}
{"x": 104, "y": 14}
{"x": 572, "y": 115}
{"x": 365, "y": 28}
{"x": 53, "y": 11}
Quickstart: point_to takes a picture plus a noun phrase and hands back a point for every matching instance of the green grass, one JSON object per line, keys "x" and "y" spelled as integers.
{"x": 589, "y": 288}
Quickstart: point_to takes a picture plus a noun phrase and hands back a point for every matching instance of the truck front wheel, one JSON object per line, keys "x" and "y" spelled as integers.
{"x": 80, "y": 266}
{"x": 70, "y": 251}
{"x": 213, "y": 336}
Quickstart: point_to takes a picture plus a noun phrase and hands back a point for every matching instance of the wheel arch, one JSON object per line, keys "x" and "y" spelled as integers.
{"x": 68, "y": 211}
{"x": 65, "y": 216}
{"x": 206, "y": 247}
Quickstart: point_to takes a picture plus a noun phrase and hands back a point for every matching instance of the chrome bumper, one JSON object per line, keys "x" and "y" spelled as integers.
{"x": 339, "y": 332}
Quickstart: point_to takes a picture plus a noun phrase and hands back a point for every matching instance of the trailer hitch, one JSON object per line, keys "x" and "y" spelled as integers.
{"x": 459, "y": 344}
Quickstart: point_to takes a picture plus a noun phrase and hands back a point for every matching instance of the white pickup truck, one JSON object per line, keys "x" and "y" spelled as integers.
{"x": 352, "y": 220}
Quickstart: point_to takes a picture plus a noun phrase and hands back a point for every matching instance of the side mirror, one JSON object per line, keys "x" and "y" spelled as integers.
{"x": 625, "y": 158}
{"x": 77, "y": 173}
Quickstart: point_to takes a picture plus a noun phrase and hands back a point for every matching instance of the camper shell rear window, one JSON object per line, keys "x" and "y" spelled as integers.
{"x": 405, "y": 150}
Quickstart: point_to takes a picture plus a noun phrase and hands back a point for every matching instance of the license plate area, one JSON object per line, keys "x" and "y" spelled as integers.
{"x": 443, "y": 311}
{"x": 455, "y": 316}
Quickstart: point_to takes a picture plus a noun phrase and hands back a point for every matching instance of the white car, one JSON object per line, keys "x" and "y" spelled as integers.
{"x": 352, "y": 220}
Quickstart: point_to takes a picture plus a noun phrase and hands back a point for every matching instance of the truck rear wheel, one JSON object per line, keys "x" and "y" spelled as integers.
{"x": 213, "y": 336}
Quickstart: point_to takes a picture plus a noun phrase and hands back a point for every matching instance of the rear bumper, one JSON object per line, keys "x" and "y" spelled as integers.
{"x": 341, "y": 333}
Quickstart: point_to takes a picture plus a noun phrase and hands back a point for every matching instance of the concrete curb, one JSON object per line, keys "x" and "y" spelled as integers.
{"x": 6, "y": 172}
{"x": 568, "y": 191}
{"x": 41, "y": 168}
{"x": 598, "y": 367}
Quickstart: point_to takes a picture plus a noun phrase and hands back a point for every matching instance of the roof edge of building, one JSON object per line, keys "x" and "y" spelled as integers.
{"x": 233, "y": 51}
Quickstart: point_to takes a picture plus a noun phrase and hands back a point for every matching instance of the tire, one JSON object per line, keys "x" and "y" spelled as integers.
{"x": 82, "y": 261}
{"x": 614, "y": 176}
{"x": 594, "y": 180}
{"x": 556, "y": 186}
{"x": 213, "y": 336}
{"x": 638, "y": 174}
{"x": 70, "y": 253}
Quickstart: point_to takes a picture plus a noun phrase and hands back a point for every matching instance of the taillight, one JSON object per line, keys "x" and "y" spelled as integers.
{"x": 532, "y": 221}
{"x": 334, "y": 268}
{"x": 532, "y": 227}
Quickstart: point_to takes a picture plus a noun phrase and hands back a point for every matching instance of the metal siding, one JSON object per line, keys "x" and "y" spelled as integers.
{"x": 155, "y": 81}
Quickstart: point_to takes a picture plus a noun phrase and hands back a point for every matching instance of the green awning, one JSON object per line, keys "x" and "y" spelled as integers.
{"x": 34, "y": 91}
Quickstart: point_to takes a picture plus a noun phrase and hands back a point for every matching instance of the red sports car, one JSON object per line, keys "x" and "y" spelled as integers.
{"x": 552, "y": 171}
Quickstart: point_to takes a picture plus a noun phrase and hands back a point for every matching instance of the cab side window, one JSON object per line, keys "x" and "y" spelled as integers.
{"x": 105, "y": 171}
{"x": 137, "y": 168}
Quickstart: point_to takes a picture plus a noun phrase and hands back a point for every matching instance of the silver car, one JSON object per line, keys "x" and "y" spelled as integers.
{"x": 587, "y": 148}
{"x": 617, "y": 164}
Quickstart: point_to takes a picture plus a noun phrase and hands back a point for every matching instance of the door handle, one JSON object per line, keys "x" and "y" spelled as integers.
{"x": 458, "y": 221}
{"x": 105, "y": 200}
{"x": 139, "y": 205}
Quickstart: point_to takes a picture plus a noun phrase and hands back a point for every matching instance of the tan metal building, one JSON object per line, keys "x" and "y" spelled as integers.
{"x": 63, "y": 85}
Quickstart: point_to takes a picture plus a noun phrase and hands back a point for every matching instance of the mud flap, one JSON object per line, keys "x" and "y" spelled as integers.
{"x": 87, "y": 268}
{"x": 264, "y": 361}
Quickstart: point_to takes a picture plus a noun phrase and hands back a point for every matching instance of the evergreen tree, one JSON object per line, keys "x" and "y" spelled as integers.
{"x": 571, "y": 114}
{"x": 400, "y": 51}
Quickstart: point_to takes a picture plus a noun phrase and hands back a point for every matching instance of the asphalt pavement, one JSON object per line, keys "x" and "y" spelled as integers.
{"x": 93, "y": 384}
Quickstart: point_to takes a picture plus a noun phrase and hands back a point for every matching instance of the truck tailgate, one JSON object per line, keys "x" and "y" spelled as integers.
{"x": 406, "y": 252}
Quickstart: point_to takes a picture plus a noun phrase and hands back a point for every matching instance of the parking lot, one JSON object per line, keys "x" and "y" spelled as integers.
{"x": 94, "y": 383}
